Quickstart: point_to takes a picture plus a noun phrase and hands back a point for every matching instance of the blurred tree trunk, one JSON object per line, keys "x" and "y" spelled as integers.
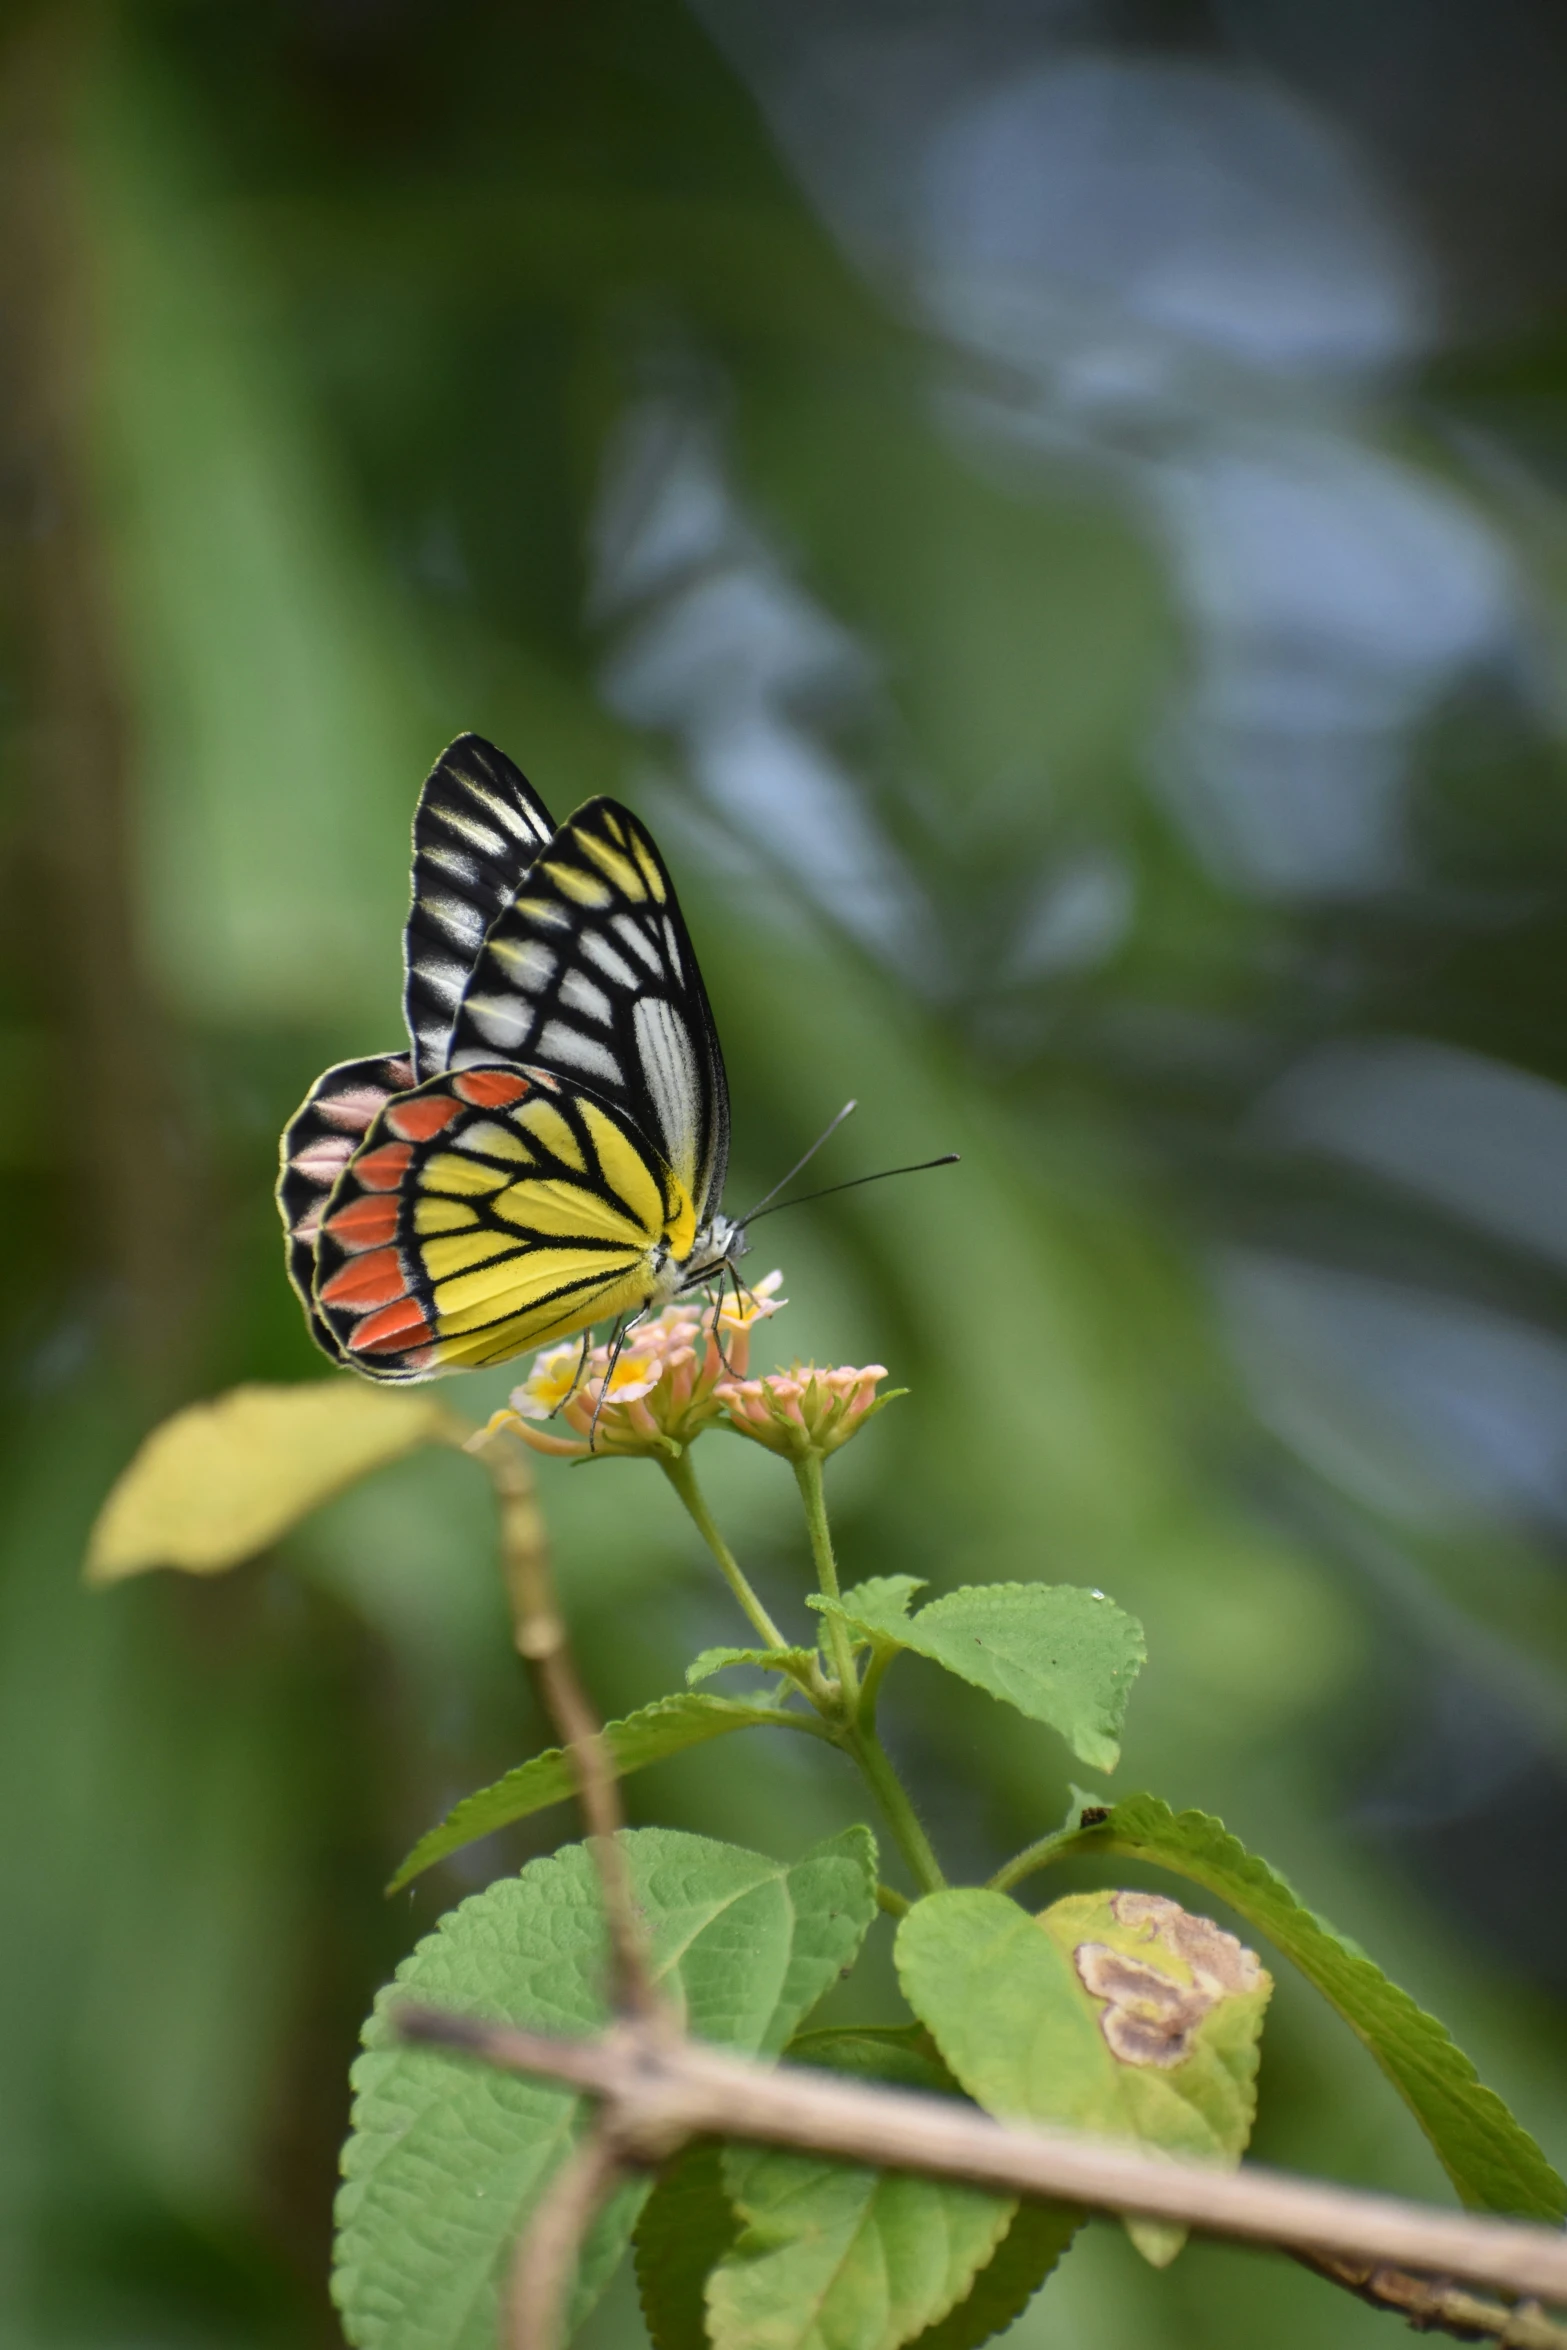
{"x": 114, "y": 1127}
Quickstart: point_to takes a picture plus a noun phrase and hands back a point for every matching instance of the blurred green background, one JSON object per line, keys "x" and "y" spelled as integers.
{"x": 1055, "y": 512}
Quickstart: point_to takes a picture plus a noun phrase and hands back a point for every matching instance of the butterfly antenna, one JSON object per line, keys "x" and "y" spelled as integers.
{"x": 826, "y": 1135}
{"x": 947, "y": 1159}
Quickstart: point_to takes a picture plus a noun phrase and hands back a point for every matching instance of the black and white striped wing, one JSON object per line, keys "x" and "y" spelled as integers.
{"x": 478, "y": 827}
{"x": 589, "y": 972}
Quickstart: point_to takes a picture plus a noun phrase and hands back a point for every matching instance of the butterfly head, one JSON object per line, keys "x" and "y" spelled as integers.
{"x": 719, "y": 1245}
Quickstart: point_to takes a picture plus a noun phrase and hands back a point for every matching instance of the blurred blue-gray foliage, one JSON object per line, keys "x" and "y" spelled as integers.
{"x": 1056, "y": 513}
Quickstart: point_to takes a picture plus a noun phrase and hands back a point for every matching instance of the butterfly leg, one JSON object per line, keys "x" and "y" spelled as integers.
{"x": 716, "y": 1307}
{"x": 623, "y": 1330}
{"x": 576, "y": 1376}
{"x": 743, "y": 1290}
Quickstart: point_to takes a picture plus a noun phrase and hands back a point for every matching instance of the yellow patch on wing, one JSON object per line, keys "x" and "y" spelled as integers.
{"x": 624, "y": 1168}
{"x": 458, "y": 1252}
{"x": 584, "y": 889}
{"x": 495, "y": 1141}
{"x": 620, "y": 869}
{"x": 545, "y": 1123}
{"x": 527, "y": 1278}
{"x": 650, "y": 872}
{"x": 466, "y": 1177}
{"x": 569, "y": 1211}
{"x": 543, "y": 1325}
{"x": 544, "y": 911}
{"x": 441, "y": 1215}
{"x": 680, "y": 1224}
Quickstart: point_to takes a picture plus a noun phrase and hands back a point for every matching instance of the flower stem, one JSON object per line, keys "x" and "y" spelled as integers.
{"x": 858, "y": 1733}
{"x": 808, "y": 1476}
{"x": 682, "y": 1477}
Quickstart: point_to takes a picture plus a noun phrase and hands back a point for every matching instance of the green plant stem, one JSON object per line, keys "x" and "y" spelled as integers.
{"x": 860, "y": 1741}
{"x": 858, "y": 1733}
{"x": 1037, "y": 1855}
{"x": 808, "y": 1476}
{"x": 682, "y": 1477}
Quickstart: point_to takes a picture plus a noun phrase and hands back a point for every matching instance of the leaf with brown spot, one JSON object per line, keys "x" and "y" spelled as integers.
{"x": 1116, "y": 2013}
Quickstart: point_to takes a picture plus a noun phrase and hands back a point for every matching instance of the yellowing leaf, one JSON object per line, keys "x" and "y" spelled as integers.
{"x": 219, "y": 1481}
{"x": 1486, "y": 2152}
{"x": 1119, "y": 2013}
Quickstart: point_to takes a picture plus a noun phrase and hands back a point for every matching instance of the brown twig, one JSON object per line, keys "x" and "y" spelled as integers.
{"x": 1433, "y": 2305}
{"x": 658, "y": 2096}
{"x": 540, "y": 1633}
{"x": 546, "y": 2256}
{"x": 545, "y": 2264}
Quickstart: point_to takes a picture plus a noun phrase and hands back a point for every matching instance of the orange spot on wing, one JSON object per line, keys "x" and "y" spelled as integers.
{"x": 490, "y": 1089}
{"x": 417, "y": 1120}
{"x": 366, "y": 1282}
{"x": 367, "y": 1222}
{"x": 384, "y": 1169}
{"x": 392, "y": 1331}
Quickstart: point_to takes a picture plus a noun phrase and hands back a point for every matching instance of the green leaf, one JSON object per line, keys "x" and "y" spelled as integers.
{"x": 220, "y": 1481}
{"x": 1489, "y": 2156}
{"x": 1060, "y": 1655}
{"x": 836, "y": 2256}
{"x": 1118, "y": 2013}
{"x": 687, "y": 2226}
{"x": 1038, "y": 2236}
{"x": 666, "y": 1727}
{"x": 883, "y": 1599}
{"x": 447, "y": 2161}
{"x": 796, "y": 1662}
{"x": 1032, "y": 2246}
{"x": 688, "y": 2223}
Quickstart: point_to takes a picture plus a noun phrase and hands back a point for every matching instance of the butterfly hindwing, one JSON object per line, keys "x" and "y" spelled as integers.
{"x": 318, "y": 1142}
{"x": 488, "y": 1210}
{"x": 589, "y": 972}
{"x": 478, "y": 827}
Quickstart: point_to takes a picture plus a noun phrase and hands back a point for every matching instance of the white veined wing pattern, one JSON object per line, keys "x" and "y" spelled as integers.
{"x": 478, "y": 827}
{"x": 589, "y": 971}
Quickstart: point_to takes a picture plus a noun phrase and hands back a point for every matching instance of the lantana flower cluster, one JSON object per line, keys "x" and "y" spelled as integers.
{"x": 663, "y": 1390}
{"x": 803, "y": 1410}
{"x": 678, "y": 1373}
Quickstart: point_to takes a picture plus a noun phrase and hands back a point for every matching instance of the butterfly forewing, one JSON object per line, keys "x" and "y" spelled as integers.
{"x": 478, "y": 827}
{"x": 318, "y": 1142}
{"x": 488, "y": 1210}
{"x": 589, "y": 972}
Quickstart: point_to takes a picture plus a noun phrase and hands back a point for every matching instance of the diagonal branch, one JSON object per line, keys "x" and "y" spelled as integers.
{"x": 540, "y": 1634}
{"x": 656, "y": 2095}
{"x": 1434, "y": 2305}
{"x": 545, "y": 2264}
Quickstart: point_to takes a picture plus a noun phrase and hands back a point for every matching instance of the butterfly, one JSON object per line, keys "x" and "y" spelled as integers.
{"x": 549, "y": 1150}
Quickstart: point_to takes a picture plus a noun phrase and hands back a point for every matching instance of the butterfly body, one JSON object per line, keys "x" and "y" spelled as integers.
{"x": 550, "y": 1151}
